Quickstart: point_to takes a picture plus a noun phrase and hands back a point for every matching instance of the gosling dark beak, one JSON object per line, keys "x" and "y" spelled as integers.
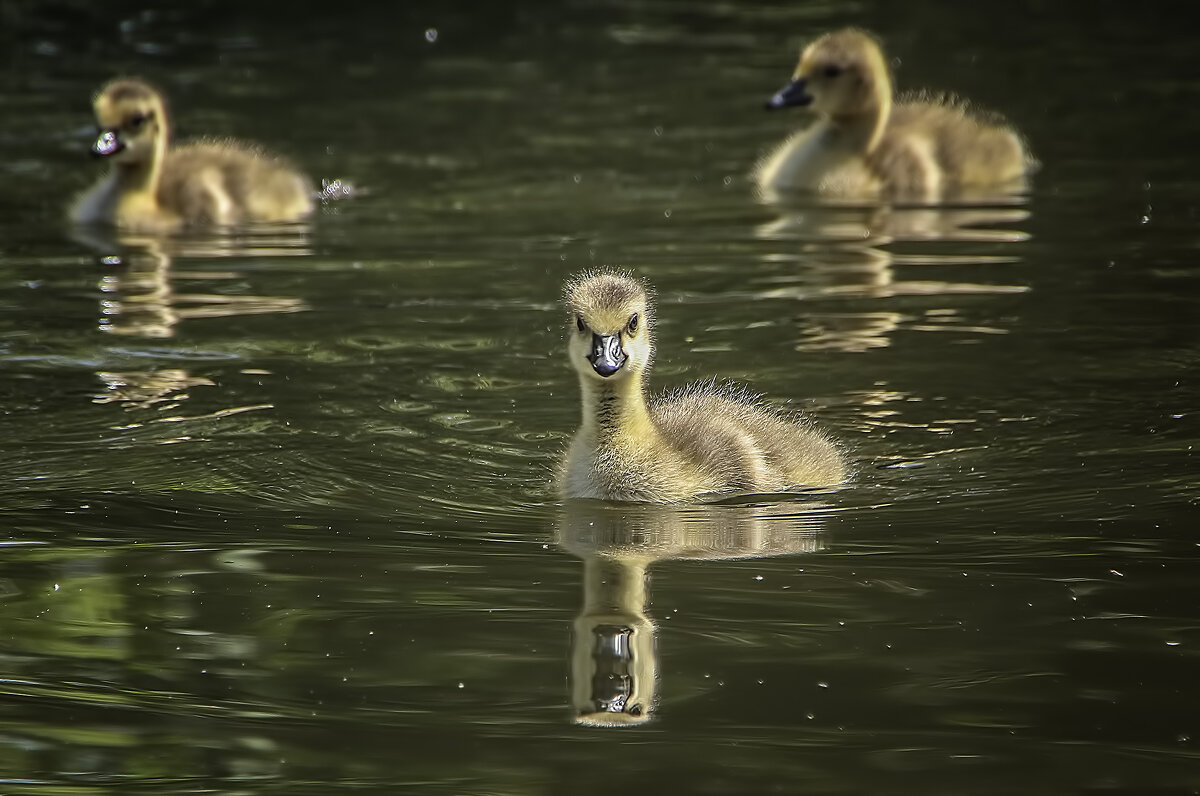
{"x": 794, "y": 94}
{"x": 107, "y": 144}
{"x": 606, "y": 355}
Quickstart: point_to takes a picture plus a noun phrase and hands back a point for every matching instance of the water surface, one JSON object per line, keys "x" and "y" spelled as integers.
{"x": 277, "y": 509}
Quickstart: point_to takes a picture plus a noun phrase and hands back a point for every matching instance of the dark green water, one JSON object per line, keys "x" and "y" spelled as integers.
{"x": 276, "y": 513}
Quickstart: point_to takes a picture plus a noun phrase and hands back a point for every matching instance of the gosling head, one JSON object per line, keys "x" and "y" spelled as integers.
{"x": 609, "y": 327}
{"x": 133, "y": 122}
{"x": 841, "y": 74}
{"x": 614, "y": 670}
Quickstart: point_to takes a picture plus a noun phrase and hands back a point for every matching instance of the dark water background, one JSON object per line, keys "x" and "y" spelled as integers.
{"x": 275, "y": 508}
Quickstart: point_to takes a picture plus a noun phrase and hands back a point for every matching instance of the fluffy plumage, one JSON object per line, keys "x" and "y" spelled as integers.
{"x": 153, "y": 187}
{"x": 700, "y": 439}
{"x": 866, "y": 144}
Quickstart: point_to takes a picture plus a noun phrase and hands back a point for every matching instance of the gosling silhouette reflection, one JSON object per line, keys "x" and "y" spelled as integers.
{"x": 830, "y": 223}
{"x": 614, "y": 661}
{"x": 140, "y": 290}
{"x": 140, "y": 297}
{"x": 841, "y": 251}
{"x": 143, "y": 389}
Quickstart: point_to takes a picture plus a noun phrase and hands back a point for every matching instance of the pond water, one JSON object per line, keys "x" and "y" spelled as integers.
{"x": 276, "y": 507}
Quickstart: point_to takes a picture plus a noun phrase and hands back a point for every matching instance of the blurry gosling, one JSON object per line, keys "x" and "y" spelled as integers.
{"x": 700, "y": 439}
{"x": 155, "y": 188}
{"x": 864, "y": 145}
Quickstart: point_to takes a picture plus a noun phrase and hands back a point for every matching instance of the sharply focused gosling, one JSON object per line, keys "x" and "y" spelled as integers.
{"x": 864, "y": 145}
{"x": 698, "y": 440}
{"x": 156, "y": 188}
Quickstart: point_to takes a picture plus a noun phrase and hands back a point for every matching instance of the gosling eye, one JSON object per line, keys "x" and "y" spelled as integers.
{"x": 136, "y": 121}
{"x": 579, "y": 324}
{"x": 632, "y": 326}
{"x": 635, "y": 710}
{"x": 831, "y": 71}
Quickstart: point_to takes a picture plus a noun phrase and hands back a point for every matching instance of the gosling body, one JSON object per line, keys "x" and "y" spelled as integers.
{"x": 704, "y": 438}
{"x": 154, "y": 187}
{"x": 866, "y": 144}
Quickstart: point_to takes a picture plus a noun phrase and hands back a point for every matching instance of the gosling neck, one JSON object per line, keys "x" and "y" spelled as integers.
{"x": 614, "y": 406}
{"x": 865, "y": 127}
{"x": 141, "y": 178}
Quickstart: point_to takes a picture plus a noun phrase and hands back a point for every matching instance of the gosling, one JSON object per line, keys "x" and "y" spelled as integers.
{"x": 864, "y": 145}
{"x": 154, "y": 188}
{"x": 701, "y": 439}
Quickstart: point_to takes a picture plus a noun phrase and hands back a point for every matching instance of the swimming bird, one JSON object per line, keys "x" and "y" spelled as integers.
{"x": 865, "y": 144}
{"x": 153, "y": 187}
{"x": 701, "y": 439}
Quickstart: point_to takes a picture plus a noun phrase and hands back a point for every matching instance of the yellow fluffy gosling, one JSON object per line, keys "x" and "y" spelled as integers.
{"x": 865, "y": 145}
{"x": 703, "y": 438}
{"x": 156, "y": 188}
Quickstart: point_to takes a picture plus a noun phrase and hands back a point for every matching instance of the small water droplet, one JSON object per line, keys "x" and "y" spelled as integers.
{"x": 431, "y": 35}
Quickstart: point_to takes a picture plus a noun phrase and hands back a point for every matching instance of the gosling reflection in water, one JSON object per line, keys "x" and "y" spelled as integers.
{"x": 614, "y": 660}
{"x": 143, "y": 301}
{"x": 843, "y": 252}
{"x": 140, "y": 291}
{"x": 613, "y": 663}
{"x": 139, "y": 298}
{"x": 141, "y": 389}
